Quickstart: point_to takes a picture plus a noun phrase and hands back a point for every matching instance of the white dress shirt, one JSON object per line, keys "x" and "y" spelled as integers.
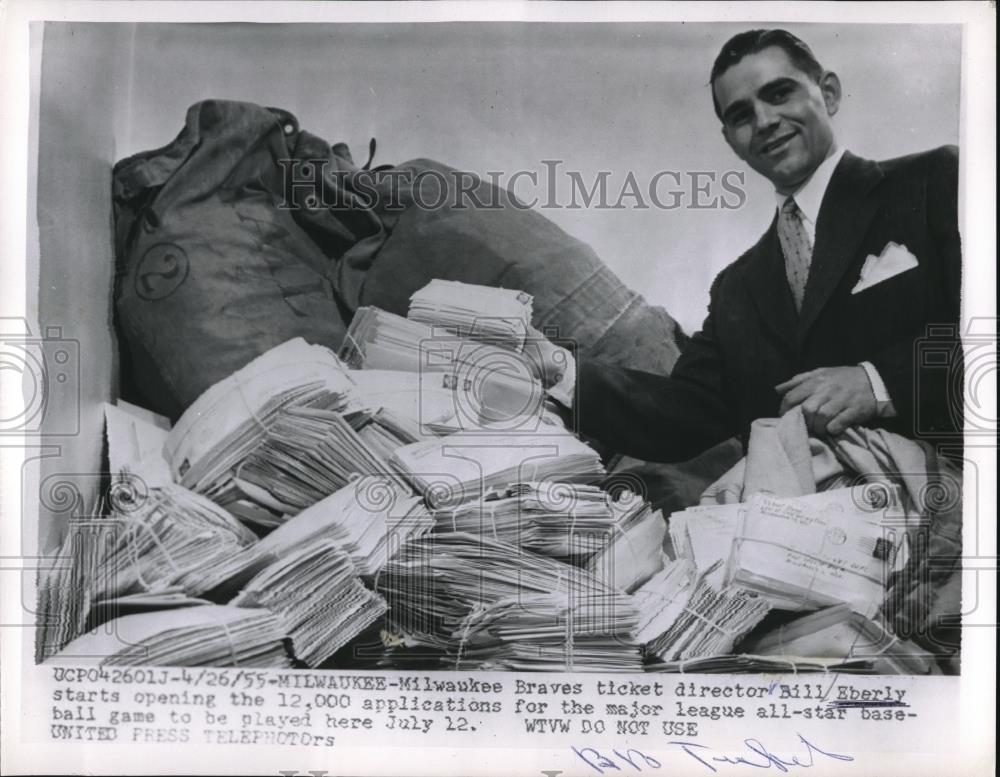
{"x": 809, "y": 198}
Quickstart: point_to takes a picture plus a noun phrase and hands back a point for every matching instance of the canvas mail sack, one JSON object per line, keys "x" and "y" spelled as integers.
{"x": 211, "y": 273}
{"x": 247, "y": 230}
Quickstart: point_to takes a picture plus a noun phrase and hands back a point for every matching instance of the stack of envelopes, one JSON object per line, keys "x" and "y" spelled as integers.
{"x": 428, "y": 467}
{"x": 839, "y": 633}
{"x": 309, "y": 453}
{"x": 368, "y": 519}
{"x": 489, "y": 383}
{"x": 317, "y": 597}
{"x": 484, "y": 312}
{"x": 540, "y": 633}
{"x": 554, "y": 519}
{"x": 635, "y": 550}
{"x": 134, "y": 604}
{"x": 171, "y": 538}
{"x": 582, "y": 654}
{"x": 750, "y": 664}
{"x": 210, "y": 635}
{"x": 379, "y": 340}
{"x": 800, "y": 553}
{"x": 279, "y": 435}
{"x": 686, "y": 618}
{"x": 809, "y": 552}
{"x": 228, "y": 419}
{"x": 66, "y": 589}
{"x": 413, "y": 399}
{"x": 704, "y": 535}
{"x": 477, "y": 598}
{"x": 468, "y": 465}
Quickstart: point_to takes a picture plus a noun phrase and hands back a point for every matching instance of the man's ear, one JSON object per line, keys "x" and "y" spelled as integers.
{"x": 829, "y": 85}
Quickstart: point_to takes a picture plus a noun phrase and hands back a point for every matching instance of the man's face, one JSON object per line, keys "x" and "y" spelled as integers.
{"x": 776, "y": 118}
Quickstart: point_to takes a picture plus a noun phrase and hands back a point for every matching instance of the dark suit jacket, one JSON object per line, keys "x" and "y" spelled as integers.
{"x": 753, "y": 339}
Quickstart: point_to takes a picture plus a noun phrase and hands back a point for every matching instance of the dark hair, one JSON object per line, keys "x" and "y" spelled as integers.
{"x": 752, "y": 41}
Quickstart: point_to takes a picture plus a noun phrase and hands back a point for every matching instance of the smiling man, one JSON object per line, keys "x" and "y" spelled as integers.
{"x": 831, "y": 309}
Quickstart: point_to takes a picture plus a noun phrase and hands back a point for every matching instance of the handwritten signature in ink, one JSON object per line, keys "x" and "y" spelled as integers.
{"x": 761, "y": 757}
{"x": 758, "y": 757}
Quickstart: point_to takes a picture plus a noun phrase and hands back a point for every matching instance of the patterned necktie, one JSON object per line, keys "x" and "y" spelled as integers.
{"x": 797, "y": 248}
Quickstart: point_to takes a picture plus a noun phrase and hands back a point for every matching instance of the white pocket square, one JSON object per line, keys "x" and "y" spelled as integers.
{"x": 895, "y": 258}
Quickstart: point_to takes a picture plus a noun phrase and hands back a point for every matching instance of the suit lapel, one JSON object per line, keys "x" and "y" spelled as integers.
{"x": 844, "y": 217}
{"x": 768, "y": 286}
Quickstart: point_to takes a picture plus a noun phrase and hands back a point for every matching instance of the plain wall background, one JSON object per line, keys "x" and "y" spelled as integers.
{"x": 82, "y": 90}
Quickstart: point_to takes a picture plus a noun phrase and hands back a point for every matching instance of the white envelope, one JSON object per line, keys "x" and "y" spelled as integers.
{"x": 895, "y": 259}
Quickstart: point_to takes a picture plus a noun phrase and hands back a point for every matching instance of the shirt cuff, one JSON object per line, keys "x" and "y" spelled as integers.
{"x": 882, "y": 399}
{"x": 563, "y": 389}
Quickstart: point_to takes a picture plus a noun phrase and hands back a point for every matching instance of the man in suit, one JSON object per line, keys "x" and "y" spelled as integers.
{"x": 830, "y": 309}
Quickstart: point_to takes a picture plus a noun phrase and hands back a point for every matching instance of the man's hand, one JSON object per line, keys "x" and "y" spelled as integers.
{"x": 547, "y": 360}
{"x": 832, "y": 398}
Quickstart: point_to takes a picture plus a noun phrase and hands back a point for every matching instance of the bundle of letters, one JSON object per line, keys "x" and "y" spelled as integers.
{"x": 278, "y": 435}
{"x": 554, "y": 519}
{"x": 206, "y": 635}
{"x": 488, "y": 378}
{"x": 502, "y": 316}
{"x": 316, "y": 595}
{"x": 414, "y": 500}
{"x": 799, "y": 553}
{"x": 365, "y": 520}
{"x": 820, "y": 560}
{"x": 685, "y": 618}
{"x": 379, "y": 340}
{"x": 634, "y": 552}
{"x": 66, "y": 599}
{"x": 467, "y": 465}
{"x": 173, "y": 539}
{"x": 818, "y": 554}
{"x": 492, "y": 605}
